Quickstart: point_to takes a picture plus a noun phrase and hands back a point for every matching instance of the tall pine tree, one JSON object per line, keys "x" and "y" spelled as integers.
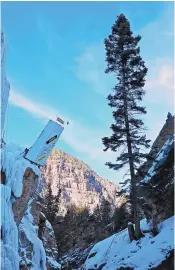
{"x": 124, "y": 61}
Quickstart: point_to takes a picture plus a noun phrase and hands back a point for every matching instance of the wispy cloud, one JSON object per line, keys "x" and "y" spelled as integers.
{"x": 90, "y": 67}
{"x": 160, "y": 82}
{"x": 37, "y": 110}
{"x": 157, "y": 38}
{"x": 157, "y": 51}
{"x": 84, "y": 140}
{"x": 79, "y": 137}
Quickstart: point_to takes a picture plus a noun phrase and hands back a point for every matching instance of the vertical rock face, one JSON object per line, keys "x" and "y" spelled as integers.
{"x": 30, "y": 183}
{"x": 35, "y": 232}
{"x": 20, "y": 219}
{"x": 50, "y": 246}
{"x": 83, "y": 188}
{"x": 156, "y": 188}
{"x": 33, "y": 238}
{"x": 166, "y": 131}
{"x": 79, "y": 184}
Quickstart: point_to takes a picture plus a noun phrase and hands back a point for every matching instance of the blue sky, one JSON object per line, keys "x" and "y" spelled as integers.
{"x": 55, "y": 65}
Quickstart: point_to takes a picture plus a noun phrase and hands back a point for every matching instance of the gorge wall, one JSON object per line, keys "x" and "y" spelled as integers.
{"x": 79, "y": 184}
{"x": 27, "y": 238}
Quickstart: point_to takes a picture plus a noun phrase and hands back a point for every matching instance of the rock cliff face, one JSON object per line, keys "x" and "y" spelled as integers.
{"x": 166, "y": 131}
{"x": 30, "y": 182}
{"x": 79, "y": 184}
{"x": 156, "y": 188}
{"x": 26, "y": 241}
{"x": 35, "y": 232}
{"x": 80, "y": 187}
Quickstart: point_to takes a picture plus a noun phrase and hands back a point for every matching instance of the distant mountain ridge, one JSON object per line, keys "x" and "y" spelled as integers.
{"x": 80, "y": 185}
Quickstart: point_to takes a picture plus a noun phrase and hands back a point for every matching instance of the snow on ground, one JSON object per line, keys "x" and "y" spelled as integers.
{"x": 117, "y": 251}
{"x": 14, "y": 166}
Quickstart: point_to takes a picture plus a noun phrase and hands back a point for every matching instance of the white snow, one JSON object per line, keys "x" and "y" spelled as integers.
{"x": 39, "y": 256}
{"x": 14, "y": 166}
{"x": 53, "y": 263}
{"x": 130, "y": 223}
{"x": 9, "y": 244}
{"x": 162, "y": 154}
{"x": 118, "y": 251}
{"x": 5, "y": 87}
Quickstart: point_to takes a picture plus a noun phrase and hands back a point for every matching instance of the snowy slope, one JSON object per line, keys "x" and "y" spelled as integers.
{"x": 117, "y": 251}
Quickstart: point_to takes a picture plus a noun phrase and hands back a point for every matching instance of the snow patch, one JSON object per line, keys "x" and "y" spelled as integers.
{"x": 9, "y": 243}
{"x": 53, "y": 263}
{"x": 39, "y": 256}
{"x": 160, "y": 158}
{"x": 14, "y": 166}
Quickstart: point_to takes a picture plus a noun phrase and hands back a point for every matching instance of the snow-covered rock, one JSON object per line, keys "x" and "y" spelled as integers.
{"x": 9, "y": 242}
{"x": 160, "y": 159}
{"x": 5, "y": 87}
{"x": 31, "y": 247}
{"x": 14, "y": 167}
{"x": 20, "y": 244}
{"x": 156, "y": 189}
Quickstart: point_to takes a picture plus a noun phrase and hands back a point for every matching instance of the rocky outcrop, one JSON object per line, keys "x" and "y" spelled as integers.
{"x": 156, "y": 188}
{"x": 26, "y": 237}
{"x": 36, "y": 232}
{"x": 82, "y": 193}
{"x": 30, "y": 183}
{"x": 157, "y": 191}
{"x": 166, "y": 131}
{"x": 75, "y": 258}
{"x": 79, "y": 184}
{"x": 33, "y": 237}
{"x": 50, "y": 246}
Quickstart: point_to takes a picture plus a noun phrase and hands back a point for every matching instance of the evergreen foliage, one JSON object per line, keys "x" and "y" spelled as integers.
{"x": 124, "y": 61}
{"x": 51, "y": 204}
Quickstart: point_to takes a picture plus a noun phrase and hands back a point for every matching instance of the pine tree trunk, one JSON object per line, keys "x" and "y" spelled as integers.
{"x": 131, "y": 232}
{"x": 133, "y": 191}
{"x": 138, "y": 233}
